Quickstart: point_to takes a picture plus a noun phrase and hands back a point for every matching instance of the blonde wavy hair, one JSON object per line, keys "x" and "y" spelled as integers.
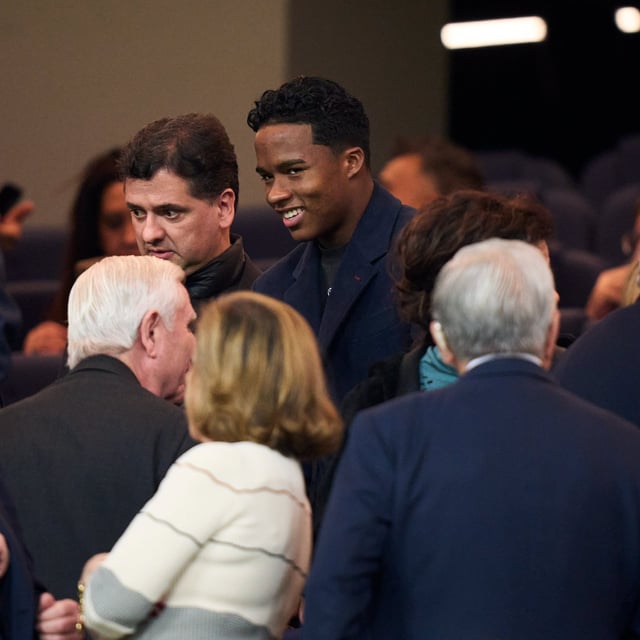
{"x": 257, "y": 376}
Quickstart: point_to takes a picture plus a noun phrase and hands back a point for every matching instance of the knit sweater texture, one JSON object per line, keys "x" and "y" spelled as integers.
{"x": 221, "y": 551}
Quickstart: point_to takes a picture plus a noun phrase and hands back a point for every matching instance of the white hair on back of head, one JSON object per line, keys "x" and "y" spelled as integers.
{"x": 495, "y": 296}
{"x": 109, "y": 300}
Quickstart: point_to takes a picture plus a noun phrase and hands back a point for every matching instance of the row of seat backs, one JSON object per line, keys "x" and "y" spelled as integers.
{"x": 603, "y": 174}
{"x": 580, "y": 225}
{"x": 612, "y": 169}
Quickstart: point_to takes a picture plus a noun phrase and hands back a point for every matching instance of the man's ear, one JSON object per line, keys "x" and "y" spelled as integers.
{"x": 551, "y": 340}
{"x": 148, "y": 332}
{"x": 354, "y": 160}
{"x": 441, "y": 342}
{"x": 227, "y": 208}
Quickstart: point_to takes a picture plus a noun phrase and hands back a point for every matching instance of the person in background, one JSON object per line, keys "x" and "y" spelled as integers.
{"x": 84, "y": 454}
{"x": 10, "y": 317}
{"x": 12, "y": 222}
{"x": 100, "y": 225}
{"x": 618, "y": 286}
{"x": 312, "y": 154}
{"x": 10, "y": 322}
{"x": 423, "y": 168}
{"x": 501, "y": 506}
{"x": 601, "y": 365}
{"x": 181, "y": 184}
{"x": 222, "y": 549}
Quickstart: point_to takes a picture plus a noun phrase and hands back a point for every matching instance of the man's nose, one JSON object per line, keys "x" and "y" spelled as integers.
{"x": 151, "y": 229}
{"x": 277, "y": 191}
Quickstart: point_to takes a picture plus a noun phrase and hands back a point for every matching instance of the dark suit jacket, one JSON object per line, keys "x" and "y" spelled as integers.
{"x": 80, "y": 458}
{"x": 360, "y": 324}
{"x": 501, "y": 507}
{"x": 602, "y": 364}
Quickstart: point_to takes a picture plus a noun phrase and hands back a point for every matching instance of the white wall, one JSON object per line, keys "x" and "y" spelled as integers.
{"x": 80, "y": 76}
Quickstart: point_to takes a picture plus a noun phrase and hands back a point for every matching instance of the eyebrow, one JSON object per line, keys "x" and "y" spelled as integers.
{"x": 284, "y": 165}
{"x": 160, "y": 208}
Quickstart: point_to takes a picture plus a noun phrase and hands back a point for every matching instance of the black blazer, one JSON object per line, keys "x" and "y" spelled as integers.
{"x": 80, "y": 458}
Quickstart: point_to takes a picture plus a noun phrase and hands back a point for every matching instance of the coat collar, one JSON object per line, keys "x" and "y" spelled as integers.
{"x": 509, "y": 366}
{"x": 105, "y": 363}
{"x": 369, "y": 244}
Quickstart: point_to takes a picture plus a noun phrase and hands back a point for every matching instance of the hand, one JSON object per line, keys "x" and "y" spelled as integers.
{"x": 47, "y": 338}
{"x": 57, "y": 619}
{"x": 11, "y": 223}
{"x": 5, "y": 556}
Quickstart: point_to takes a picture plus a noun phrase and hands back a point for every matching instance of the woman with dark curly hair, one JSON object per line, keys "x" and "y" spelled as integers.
{"x": 424, "y": 246}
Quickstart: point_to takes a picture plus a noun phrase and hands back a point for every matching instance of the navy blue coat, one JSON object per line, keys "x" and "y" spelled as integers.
{"x": 360, "y": 324}
{"x": 500, "y": 507}
{"x": 602, "y": 364}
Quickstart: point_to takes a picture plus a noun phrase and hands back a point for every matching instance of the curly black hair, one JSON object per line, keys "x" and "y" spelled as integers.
{"x": 338, "y": 120}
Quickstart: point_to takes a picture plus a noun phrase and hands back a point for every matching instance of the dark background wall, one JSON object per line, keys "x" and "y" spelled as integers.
{"x": 569, "y": 97}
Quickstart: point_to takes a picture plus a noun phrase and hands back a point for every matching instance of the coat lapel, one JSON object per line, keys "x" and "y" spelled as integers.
{"x": 304, "y": 292}
{"x": 369, "y": 244}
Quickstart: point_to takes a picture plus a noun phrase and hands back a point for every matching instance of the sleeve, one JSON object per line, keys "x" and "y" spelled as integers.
{"x": 355, "y": 527}
{"x": 161, "y": 541}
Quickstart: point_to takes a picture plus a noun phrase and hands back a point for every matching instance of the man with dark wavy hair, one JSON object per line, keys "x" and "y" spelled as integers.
{"x": 181, "y": 184}
{"x": 312, "y": 152}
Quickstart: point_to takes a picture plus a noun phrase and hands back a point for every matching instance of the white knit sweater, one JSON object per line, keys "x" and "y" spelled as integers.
{"x": 223, "y": 547}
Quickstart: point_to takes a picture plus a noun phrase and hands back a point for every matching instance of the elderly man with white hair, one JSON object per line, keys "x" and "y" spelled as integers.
{"x": 501, "y": 506}
{"x": 83, "y": 455}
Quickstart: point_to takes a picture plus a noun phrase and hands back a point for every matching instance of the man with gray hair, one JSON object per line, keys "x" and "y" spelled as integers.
{"x": 83, "y": 455}
{"x": 500, "y": 506}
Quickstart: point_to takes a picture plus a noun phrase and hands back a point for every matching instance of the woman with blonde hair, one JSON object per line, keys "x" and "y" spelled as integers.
{"x": 223, "y": 548}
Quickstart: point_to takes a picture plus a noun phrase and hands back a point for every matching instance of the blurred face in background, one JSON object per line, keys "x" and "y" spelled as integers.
{"x": 115, "y": 228}
{"x": 405, "y": 178}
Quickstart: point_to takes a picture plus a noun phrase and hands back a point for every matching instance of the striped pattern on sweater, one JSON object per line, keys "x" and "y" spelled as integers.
{"x": 225, "y": 543}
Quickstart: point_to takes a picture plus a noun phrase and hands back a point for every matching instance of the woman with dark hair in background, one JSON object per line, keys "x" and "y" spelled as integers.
{"x": 100, "y": 226}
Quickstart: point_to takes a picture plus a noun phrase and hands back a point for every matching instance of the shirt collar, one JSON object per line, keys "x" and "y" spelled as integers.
{"x": 476, "y": 362}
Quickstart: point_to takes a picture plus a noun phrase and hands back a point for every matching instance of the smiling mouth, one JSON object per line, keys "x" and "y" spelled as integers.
{"x": 290, "y": 218}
